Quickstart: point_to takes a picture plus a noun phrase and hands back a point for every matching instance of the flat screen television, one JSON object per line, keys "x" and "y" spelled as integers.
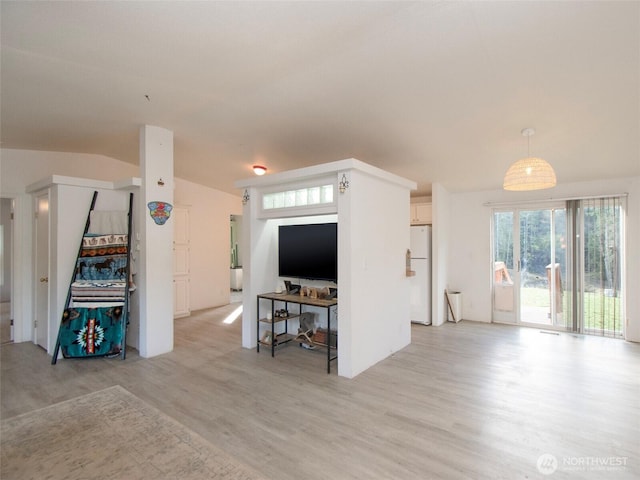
{"x": 308, "y": 251}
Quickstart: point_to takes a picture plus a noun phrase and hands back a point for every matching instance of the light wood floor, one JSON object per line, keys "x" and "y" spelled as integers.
{"x": 467, "y": 400}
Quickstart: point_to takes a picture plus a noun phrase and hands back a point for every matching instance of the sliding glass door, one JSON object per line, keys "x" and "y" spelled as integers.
{"x": 530, "y": 266}
{"x": 560, "y": 266}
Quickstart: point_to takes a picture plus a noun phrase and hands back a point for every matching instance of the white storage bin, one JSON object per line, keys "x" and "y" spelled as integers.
{"x": 455, "y": 299}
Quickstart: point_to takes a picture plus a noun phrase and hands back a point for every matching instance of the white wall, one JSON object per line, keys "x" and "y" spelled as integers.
{"x": 374, "y": 235}
{"x": 209, "y": 244}
{"x": 441, "y": 249}
{"x": 469, "y": 258}
{"x": 633, "y": 259}
{"x": 260, "y": 246}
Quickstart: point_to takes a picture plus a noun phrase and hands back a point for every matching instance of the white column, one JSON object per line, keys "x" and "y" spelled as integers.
{"x": 155, "y": 282}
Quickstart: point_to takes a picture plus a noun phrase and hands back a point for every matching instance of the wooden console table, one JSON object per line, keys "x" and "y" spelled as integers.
{"x": 286, "y": 337}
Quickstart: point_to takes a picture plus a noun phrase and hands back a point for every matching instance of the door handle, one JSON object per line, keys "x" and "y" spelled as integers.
{"x": 44, "y": 279}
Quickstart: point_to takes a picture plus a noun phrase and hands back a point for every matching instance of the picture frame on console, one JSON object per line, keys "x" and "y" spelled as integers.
{"x": 291, "y": 287}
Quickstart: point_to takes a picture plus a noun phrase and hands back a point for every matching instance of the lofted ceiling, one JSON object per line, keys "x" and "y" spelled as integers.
{"x": 432, "y": 91}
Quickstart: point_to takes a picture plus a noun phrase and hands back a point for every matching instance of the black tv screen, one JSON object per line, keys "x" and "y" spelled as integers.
{"x": 308, "y": 251}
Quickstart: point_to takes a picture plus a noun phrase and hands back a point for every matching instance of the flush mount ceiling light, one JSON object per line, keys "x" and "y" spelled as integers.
{"x": 530, "y": 173}
{"x": 259, "y": 169}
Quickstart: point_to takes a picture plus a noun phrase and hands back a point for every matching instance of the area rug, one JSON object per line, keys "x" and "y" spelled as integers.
{"x": 109, "y": 435}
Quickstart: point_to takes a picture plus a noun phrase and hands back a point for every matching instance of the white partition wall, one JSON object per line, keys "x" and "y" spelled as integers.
{"x": 373, "y": 237}
{"x": 259, "y": 270}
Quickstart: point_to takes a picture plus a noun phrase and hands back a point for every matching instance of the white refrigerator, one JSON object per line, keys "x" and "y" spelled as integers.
{"x": 420, "y": 283}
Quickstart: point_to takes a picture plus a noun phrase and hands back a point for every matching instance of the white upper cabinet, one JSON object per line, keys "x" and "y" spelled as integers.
{"x": 420, "y": 214}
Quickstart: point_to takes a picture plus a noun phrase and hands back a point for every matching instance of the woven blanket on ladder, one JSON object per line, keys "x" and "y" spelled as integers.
{"x": 100, "y": 278}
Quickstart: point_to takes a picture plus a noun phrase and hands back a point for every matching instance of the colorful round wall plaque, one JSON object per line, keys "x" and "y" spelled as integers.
{"x": 160, "y": 211}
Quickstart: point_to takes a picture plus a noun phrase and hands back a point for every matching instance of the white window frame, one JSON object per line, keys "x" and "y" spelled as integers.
{"x": 299, "y": 210}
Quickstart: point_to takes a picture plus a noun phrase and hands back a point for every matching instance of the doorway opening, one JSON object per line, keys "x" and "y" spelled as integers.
{"x": 6, "y": 273}
{"x": 235, "y": 258}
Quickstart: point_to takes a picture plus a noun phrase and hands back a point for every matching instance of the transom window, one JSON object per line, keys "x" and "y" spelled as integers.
{"x": 299, "y": 197}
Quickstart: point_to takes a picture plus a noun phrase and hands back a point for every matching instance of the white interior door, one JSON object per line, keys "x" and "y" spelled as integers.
{"x": 181, "y": 259}
{"x": 41, "y": 280}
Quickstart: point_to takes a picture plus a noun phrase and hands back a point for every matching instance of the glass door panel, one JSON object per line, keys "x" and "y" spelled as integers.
{"x": 530, "y": 266}
{"x": 563, "y": 284}
{"x": 504, "y": 299}
{"x": 535, "y": 261}
{"x": 602, "y": 305}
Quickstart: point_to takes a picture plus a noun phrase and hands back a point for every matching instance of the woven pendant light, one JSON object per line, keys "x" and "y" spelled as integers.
{"x": 530, "y": 173}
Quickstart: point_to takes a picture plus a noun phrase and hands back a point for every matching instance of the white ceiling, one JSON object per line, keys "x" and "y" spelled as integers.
{"x": 432, "y": 91}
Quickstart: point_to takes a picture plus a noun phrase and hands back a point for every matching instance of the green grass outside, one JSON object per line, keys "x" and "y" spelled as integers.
{"x": 600, "y": 312}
